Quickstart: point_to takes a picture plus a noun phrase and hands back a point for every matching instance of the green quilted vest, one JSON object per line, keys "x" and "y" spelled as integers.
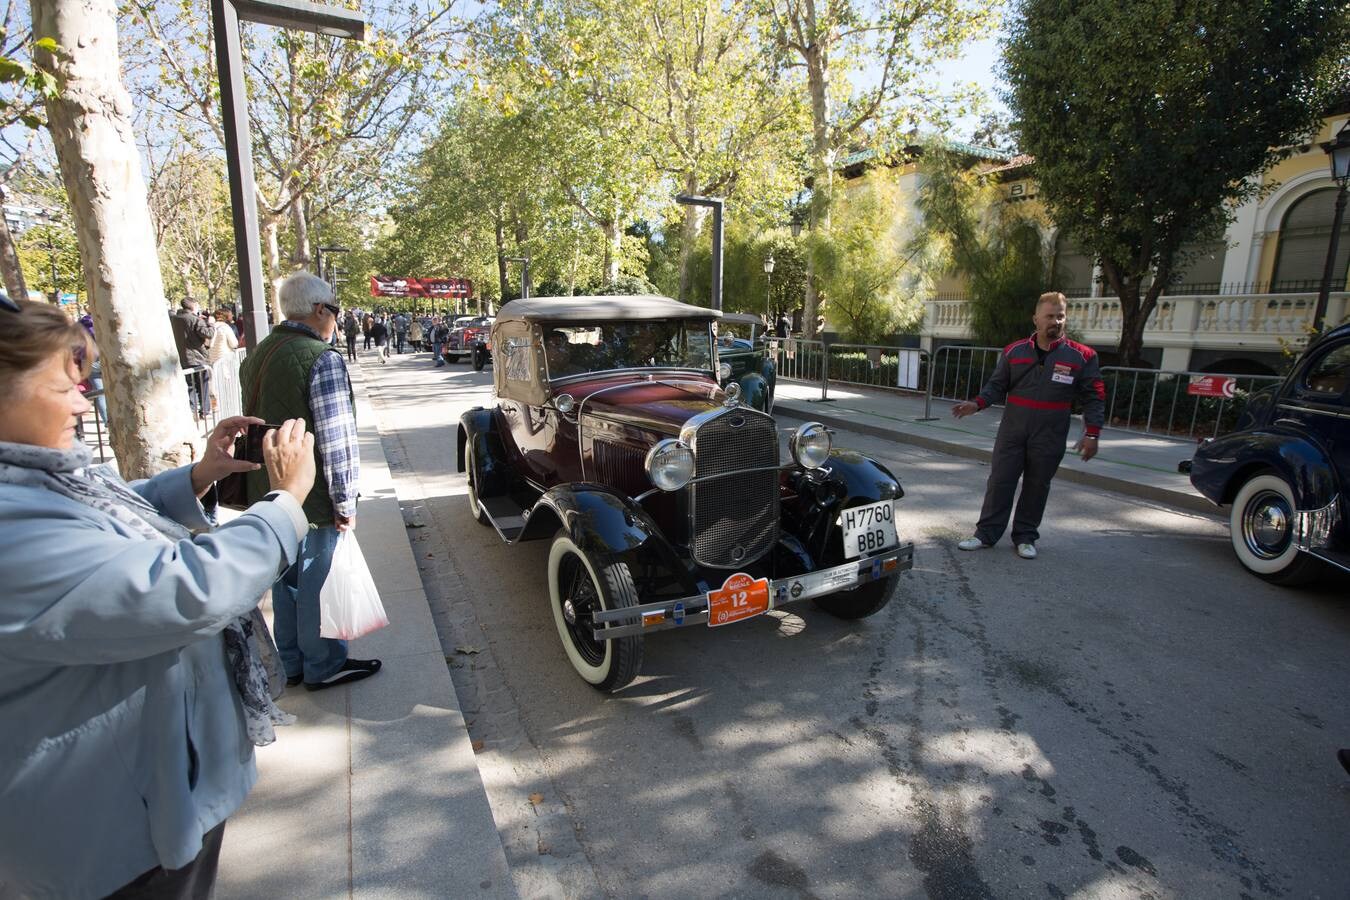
{"x": 280, "y": 368}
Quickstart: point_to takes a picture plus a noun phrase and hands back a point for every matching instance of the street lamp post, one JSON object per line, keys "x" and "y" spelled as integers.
{"x": 768, "y": 292}
{"x": 318, "y": 261}
{"x": 225, "y": 18}
{"x": 524, "y": 274}
{"x": 716, "y": 204}
{"x": 1339, "y": 153}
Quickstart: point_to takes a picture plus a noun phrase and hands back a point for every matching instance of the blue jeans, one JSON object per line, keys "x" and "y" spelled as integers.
{"x": 295, "y": 611}
{"x": 436, "y": 352}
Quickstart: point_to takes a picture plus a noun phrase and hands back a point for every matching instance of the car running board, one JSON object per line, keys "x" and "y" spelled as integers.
{"x": 506, "y": 516}
{"x": 1334, "y": 558}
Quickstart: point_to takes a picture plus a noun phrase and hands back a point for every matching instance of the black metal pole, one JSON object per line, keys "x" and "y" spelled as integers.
{"x": 1324, "y": 295}
{"x": 716, "y": 204}
{"x": 239, "y": 163}
{"x": 51, "y": 258}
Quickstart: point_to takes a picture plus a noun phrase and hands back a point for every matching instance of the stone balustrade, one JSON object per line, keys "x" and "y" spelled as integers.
{"x": 1180, "y": 324}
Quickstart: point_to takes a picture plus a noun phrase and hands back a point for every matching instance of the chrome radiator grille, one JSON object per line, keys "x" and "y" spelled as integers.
{"x": 735, "y": 519}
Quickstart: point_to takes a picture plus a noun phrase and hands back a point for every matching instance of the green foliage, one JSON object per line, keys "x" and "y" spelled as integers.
{"x": 869, "y": 280}
{"x": 745, "y": 285}
{"x": 970, "y": 229}
{"x": 623, "y": 285}
{"x": 1138, "y": 152}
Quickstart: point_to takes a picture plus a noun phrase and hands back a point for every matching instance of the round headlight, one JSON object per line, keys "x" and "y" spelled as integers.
{"x": 670, "y": 464}
{"x": 810, "y": 445}
{"x": 724, "y": 371}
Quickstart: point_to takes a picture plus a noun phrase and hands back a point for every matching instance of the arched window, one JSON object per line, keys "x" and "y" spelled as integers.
{"x": 1305, "y": 236}
{"x": 1073, "y": 268}
{"x": 1203, "y": 268}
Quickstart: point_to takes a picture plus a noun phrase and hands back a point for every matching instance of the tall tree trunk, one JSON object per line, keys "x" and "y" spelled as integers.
{"x": 1134, "y": 312}
{"x": 9, "y": 262}
{"x": 301, "y": 252}
{"x": 151, "y": 427}
{"x": 822, "y": 185}
{"x": 499, "y": 235}
{"x": 613, "y": 248}
{"x": 271, "y": 228}
{"x": 521, "y": 232}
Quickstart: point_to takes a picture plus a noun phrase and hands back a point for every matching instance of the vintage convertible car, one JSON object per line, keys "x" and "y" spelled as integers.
{"x": 665, "y": 497}
{"x": 746, "y": 360}
{"x": 464, "y": 336}
{"x": 1284, "y": 472}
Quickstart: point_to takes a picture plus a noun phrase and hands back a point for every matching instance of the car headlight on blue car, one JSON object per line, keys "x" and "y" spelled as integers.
{"x": 810, "y": 445}
{"x": 670, "y": 464}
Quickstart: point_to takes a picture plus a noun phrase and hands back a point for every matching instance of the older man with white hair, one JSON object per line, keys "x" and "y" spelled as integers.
{"x": 297, "y": 373}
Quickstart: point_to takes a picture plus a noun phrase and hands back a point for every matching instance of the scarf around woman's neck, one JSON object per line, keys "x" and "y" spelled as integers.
{"x": 69, "y": 473}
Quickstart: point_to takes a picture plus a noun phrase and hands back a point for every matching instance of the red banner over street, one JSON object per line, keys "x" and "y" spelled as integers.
{"x": 452, "y": 288}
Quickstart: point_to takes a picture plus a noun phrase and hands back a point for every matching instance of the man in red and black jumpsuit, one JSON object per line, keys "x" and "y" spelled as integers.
{"x": 1038, "y": 378}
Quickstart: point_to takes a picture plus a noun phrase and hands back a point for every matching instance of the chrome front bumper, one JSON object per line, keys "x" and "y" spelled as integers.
{"x": 647, "y": 617}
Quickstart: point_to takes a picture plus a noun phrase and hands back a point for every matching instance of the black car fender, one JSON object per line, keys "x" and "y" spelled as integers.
{"x": 492, "y": 476}
{"x": 1220, "y": 467}
{"x": 755, "y": 391}
{"x": 596, "y": 518}
{"x": 863, "y": 479}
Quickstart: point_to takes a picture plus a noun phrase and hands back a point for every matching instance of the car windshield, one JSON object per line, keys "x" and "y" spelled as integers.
{"x": 573, "y": 349}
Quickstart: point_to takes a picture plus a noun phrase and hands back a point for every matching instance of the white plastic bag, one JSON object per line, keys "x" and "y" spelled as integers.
{"x": 349, "y": 604}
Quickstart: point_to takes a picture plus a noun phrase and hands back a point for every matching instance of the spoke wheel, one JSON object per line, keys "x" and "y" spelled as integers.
{"x": 578, "y": 587}
{"x": 1262, "y": 526}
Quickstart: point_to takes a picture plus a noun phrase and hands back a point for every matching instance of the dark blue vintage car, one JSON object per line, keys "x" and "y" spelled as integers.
{"x": 1284, "y": 472}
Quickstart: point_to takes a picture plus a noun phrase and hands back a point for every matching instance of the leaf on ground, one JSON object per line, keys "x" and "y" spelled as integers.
{"x": 477, "y": 746}
{"x": 536, "y": 799}
{"x": 431, "y": 556}
{"x": 466, "y": 649}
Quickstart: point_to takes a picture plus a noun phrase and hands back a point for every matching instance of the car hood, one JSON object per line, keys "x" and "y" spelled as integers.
{"x": 659, "y": 404}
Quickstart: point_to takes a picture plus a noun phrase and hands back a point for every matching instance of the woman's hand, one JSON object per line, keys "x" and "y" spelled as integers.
{"x": 218, "y": 460}
{"x": 288, "y": 452}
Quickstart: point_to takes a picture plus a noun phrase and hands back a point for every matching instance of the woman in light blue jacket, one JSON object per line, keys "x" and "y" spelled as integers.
{"x": 131, "y": 695}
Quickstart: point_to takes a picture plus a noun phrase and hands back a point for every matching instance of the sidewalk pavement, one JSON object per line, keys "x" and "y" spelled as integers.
{"x": 1129, "y": 463}
{"x": 374, "y": 792}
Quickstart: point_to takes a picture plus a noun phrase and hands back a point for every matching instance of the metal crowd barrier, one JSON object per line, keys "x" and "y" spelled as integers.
{"x": 1181, "y": 405}
{"x": 865, "y": 365}
{"x": 92, "y": 428}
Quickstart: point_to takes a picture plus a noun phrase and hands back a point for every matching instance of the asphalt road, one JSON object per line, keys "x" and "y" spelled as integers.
{"x": 1130, "y": 715}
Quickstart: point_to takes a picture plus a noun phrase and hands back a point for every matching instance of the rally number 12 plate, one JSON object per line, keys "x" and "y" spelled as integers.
{"x": 740, "y": 597}
{"x": 868, "y": 529}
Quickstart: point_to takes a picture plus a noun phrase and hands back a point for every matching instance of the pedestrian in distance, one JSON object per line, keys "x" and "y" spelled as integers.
{"x": 349, "y": 328}
{"x": 380, "y": 333}
{"x": 400, "y": 326}
{"x": 129, "y": 637}
{"x": 367, "y": 324}
{"x": 440, "y": 333}
{"x": 192, "y": 332}
{"x": 296, "y": 373}
{"x": 415, "y": 335}
{"x": 1039, "y": 377}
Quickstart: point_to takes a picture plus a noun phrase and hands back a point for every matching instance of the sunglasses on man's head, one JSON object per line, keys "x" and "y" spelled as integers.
{"x": 331, "y": 308}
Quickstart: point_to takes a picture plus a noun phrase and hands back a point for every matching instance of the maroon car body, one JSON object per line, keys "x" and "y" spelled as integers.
{"x": 611, "y": 436}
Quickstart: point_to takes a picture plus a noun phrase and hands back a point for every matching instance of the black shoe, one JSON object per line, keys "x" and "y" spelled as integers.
{"x": 1344, "y": 757}
{"x": 293, "y": 680}
{"x": 352, "y": 670}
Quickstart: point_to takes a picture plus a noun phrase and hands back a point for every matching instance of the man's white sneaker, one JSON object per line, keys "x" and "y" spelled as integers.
{"x": 1026, "y": 551}
{"x": 973, "y": 543}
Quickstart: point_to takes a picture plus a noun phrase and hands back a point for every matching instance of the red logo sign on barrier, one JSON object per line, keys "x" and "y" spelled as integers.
{"x": 1212, "y": 386}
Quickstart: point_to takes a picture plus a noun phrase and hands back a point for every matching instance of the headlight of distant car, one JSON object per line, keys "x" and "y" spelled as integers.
{"x": 810, "y": 445}
{"x": 724, "y": 371}
{"x": 670, "y": 464}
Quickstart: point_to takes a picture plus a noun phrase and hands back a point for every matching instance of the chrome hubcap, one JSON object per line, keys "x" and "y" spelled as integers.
{"x": 1267, "y": 525}
{"x": 569, "y": 612}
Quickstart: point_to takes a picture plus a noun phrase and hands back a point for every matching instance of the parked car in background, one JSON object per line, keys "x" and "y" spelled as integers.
{"x": 666, "y": 500}
{"x": 464, "y": 334}
{"x": 746, "y": 360}
{"x": 1284, "y": 473}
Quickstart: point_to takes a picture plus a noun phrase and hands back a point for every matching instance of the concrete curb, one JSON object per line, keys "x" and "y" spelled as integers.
{"x": 1153, "y": 493}
{"x": 375, "y": 791}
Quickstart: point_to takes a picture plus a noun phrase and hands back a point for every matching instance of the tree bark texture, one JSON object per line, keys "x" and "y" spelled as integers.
{"x": 151, "y": 427}
{"x": 823, "y": 153}
{"x": 9, "y": 264}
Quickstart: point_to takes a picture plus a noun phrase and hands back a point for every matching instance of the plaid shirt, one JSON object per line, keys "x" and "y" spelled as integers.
{"x": 330, "y": 405}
